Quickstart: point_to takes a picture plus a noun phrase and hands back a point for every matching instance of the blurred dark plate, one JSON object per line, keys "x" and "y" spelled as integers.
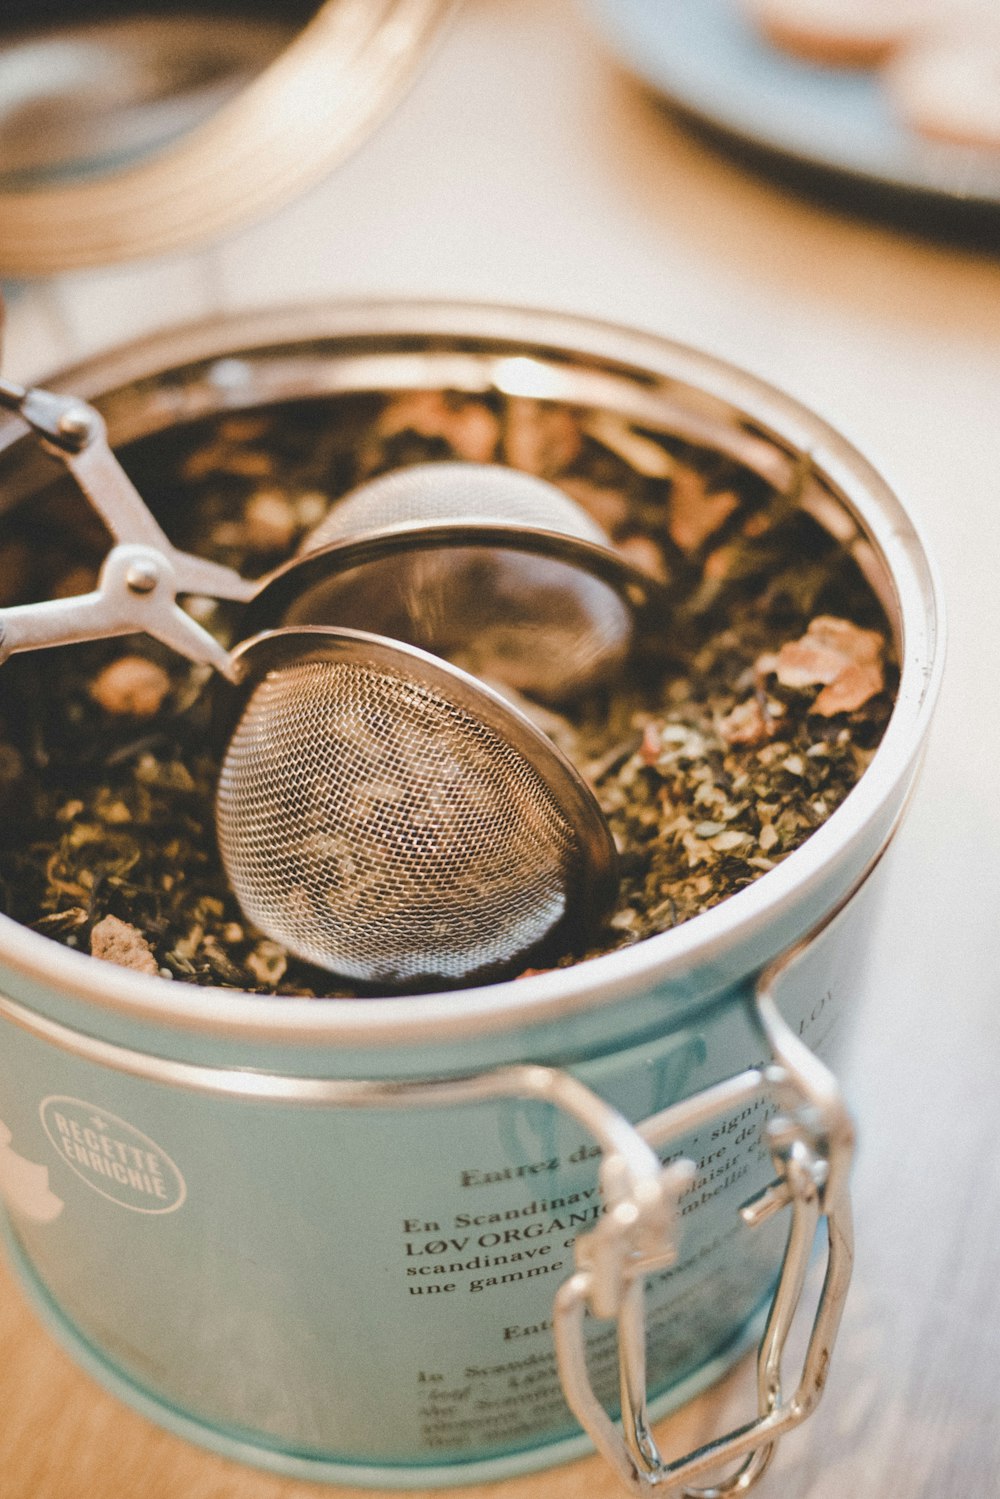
{"x": 828, "y": 132}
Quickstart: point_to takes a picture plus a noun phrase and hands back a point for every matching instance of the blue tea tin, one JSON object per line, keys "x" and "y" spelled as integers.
{"x": 453, "y": 1237}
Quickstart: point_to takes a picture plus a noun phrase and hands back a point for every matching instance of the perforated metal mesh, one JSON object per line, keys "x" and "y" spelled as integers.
{"x": 452, "y": 492}
{"x": 537, "y": 624}
{"x": 381, "y": 830}
{"x": 546, "y": 627}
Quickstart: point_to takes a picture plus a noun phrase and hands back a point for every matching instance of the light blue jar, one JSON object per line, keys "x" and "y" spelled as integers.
{"x": 416, "y": 1241}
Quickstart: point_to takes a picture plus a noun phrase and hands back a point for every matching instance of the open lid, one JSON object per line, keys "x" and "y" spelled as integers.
{"x": 130, "y": 130}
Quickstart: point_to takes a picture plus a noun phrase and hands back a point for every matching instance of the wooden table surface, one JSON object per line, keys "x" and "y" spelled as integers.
{"x": 522, "y": 167}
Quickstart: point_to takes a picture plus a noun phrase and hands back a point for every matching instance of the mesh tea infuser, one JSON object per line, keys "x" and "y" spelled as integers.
{"x": 380, "y": 812}
{"x": 395, "y": 820}
{"x": 496, "y": 570}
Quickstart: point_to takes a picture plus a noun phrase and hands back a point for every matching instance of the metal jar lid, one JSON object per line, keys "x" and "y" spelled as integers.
{"x": 133, "y": 134}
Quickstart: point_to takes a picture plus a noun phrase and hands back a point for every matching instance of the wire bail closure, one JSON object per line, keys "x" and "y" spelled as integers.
{"x": 811, "y": 1141}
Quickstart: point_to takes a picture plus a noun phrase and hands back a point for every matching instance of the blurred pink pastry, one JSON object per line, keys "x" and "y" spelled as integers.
{"x": 839, "y": 33}
{"x": 946, "y": 84}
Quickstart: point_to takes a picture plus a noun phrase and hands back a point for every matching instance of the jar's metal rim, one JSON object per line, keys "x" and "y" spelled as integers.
{"x": 656, "y": 961}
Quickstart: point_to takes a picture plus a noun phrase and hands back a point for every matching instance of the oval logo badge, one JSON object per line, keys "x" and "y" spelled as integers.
{"x": 112, "y": 1156}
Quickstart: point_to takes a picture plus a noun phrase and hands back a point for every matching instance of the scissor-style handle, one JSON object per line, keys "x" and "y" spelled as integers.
{"x": 142, "y": 574}
{"x": 136, "y": 593}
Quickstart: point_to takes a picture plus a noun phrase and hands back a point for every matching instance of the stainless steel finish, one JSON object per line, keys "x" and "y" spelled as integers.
{"x": 226, "y": 157}
{"x": 379, "y": 812}
{"x": 143, "y": 576}
{"x": 80, "y": 95}
{"x": 388, "y": 817}
{"x": 548, "y": 629}
{"x": 425, "y": 493}
{"x": 421, "y": 554}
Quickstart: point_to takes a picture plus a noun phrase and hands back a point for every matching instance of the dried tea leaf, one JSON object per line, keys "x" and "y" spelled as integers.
{"x": 749, "y": 723}
{"x": 646, "y": 555}
{"x": 845, "y": 659}
{"x": 608, "y": 507}
{"x": 270, "y": 523}
{"x": 469, "y": 428}
{"x": 828, "y": 646}
{"x": 268, "y": 962}
{"x": 642, "y": 453}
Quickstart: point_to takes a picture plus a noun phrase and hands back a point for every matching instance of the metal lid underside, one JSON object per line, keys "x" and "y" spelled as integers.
{"x": 125, "y": 134}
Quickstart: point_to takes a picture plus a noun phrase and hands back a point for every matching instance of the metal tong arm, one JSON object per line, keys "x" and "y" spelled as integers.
{"x": 143, "y": 573}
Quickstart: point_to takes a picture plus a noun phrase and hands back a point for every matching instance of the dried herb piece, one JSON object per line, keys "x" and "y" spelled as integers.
{"x": 119, "y": 942}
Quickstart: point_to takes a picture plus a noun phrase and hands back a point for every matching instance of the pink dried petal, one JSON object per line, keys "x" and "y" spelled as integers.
{"x": 608, "y": 507}
{"x": 421, "y": 411}
{"x": 644, "y": 554}
{"x": 269, "y": 522}
{"x": 847, "y": 638}
{"x": 473, "y": 432}
{"x": 694, "y": 514}
{"x": 652, "y": 744}
{"x": 807, "y": 663}
{"x": 718, "y": 563}
{"x": 817, "y": 659}
{"x": 757, "y": 523}
{"x": 851, "y": 689}
{"x": 470, "y": 428}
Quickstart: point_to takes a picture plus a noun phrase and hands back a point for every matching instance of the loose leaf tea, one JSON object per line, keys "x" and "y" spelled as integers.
{"x": 747, "y": 716}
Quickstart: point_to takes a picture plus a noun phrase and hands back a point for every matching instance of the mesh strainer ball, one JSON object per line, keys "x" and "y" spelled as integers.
{"x": 385, "y": 816}
{"x": 421, "y": 493}
{"x": 496, "y": 570}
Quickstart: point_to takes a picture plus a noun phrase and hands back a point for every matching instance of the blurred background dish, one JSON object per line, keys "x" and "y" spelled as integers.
{"x": 822, "y": 130}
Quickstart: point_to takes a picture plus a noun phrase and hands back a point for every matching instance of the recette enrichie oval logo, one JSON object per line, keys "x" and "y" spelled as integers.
{"x": 112, "y": 1156}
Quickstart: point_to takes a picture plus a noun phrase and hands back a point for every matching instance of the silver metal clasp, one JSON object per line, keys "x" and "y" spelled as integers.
{"x": 811, "y": 1140}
